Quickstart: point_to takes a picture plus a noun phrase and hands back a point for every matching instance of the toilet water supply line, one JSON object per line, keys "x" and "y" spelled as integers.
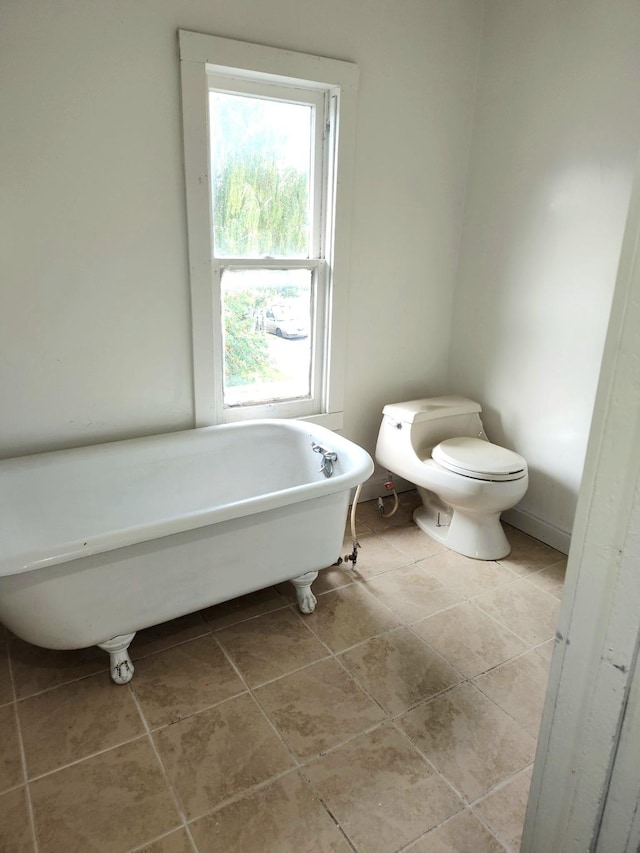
{"x": 388, "y": 485}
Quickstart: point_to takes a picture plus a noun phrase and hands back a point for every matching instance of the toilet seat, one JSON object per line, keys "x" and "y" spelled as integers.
{"x": 478, "y": 459}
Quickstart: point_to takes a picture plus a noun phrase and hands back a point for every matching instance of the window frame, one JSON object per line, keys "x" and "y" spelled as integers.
{"x": 202, "y": 56}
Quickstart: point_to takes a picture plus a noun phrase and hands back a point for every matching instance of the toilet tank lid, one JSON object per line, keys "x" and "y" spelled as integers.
{"x": 416, "y": 411}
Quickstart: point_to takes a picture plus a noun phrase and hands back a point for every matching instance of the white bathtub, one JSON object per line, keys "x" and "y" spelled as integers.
{"x": 99, "y": 542}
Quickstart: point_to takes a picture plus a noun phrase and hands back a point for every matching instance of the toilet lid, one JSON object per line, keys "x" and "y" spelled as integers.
{"x": 473, "y": 457}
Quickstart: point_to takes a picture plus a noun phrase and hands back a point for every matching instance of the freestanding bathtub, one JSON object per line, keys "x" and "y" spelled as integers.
{"x": 99, "y": 542}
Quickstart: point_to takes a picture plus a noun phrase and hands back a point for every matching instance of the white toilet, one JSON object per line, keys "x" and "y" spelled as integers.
{"x": 465, "y": 482}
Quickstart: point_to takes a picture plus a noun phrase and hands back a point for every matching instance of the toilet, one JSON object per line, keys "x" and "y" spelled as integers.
{"x": 465, "y": 482}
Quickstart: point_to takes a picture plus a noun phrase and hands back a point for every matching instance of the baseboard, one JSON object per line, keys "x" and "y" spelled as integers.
{"x": 542, "y": 530}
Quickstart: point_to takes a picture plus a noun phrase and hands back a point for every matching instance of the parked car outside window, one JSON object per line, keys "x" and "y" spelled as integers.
{"x": 278, "y": 321}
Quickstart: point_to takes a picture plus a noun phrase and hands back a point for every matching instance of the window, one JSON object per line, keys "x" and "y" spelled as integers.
{"x": 267, "y": 133}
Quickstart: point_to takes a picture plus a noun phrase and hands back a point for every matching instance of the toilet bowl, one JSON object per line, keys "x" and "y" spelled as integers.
{"x": 465, "y": 482}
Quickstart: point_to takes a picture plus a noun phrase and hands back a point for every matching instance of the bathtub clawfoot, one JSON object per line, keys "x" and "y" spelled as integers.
{"x": 121, "y": 666}
{"x": 306, "y": 599}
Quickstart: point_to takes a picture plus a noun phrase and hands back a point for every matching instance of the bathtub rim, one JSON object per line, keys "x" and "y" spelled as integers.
{"x": 360, "y": 468}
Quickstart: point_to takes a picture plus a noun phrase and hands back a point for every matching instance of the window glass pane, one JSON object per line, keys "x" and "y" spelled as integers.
{"x": 266, "y": 317}
{"x": 261, "y": 167}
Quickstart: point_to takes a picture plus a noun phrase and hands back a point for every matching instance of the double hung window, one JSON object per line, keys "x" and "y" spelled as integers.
{"x": 268, "y": 148}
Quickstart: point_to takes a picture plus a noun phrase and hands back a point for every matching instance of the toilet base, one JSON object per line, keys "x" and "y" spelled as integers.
{"x": 475, "y": 536}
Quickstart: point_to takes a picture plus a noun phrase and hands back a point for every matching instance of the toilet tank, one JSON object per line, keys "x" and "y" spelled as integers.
{"x": 430, "y": 421}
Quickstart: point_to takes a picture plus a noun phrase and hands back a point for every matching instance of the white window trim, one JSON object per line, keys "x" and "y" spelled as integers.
{"x": 202, "y": 54}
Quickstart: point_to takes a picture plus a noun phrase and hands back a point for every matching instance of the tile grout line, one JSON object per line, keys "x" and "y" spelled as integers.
{"x": 140, "y": 848}
{"x": 235, "y": 798}
{"x": 295, "y": 671}
{"x": 410, "y": 626}
{"x": 482, "y": 820}
{"x": 86, "y": 758}
{"x": 332, "y": 656}
{"x": 527, "y": 578}
{"x": 511, "y": 631}
{"x": 259, "y": 704}
{"x": 467, "y": 809}
{"x": 177, "y": 645}
{"x": 491, "y": 668}
{"x": 469, "y": 682}
{"x": 301, "y": 764}
{"x": 475, "y": 594}
{"x": 398, "y": 624}
{"x": 216, "y": 630}
{"x": 473, "y": 806}
{"x": 468, "y": 803}
{"x": 318, "y": 795}
{"x": 509, "y": 714}
{"x": 62, "y": 683}
{"x": 473, "y": 599}
{"x": 297, "y": 764}
{"x": 450, "y": 786}
{"x": 165, "y": 774}
{"x": 406, "y": 736}
{"x": 23, "y": 758}
{"x": 143, "y": 734}
{"x": 500, "y": 785}
{"x": 473, "y": 603}
{"x": 532, "y": 649}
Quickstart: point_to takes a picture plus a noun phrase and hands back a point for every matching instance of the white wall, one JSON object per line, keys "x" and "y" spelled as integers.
{"x": 94, "y": 314}
{"x": 94, "y": 295}
{"x": 557, "y": 127}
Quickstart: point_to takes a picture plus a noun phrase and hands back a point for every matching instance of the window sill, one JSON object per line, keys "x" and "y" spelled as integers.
{"x": 330, "y": 420}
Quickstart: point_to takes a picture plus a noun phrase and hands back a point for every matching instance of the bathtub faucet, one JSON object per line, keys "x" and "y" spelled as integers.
{"x": 328, "y": 458}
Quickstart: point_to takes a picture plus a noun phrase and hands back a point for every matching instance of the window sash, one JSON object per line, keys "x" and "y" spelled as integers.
{"x": 319, "y": 101}
{"x": 296, "y": 407}
{"x": 320, "y": 164}
{"x": 318, "y": 209}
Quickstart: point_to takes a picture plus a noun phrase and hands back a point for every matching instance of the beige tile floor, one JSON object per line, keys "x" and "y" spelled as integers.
{"x": 401, "y": 716}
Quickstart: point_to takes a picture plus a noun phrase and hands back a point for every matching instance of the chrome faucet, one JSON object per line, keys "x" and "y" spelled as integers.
{"x": 328, "y": 458}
